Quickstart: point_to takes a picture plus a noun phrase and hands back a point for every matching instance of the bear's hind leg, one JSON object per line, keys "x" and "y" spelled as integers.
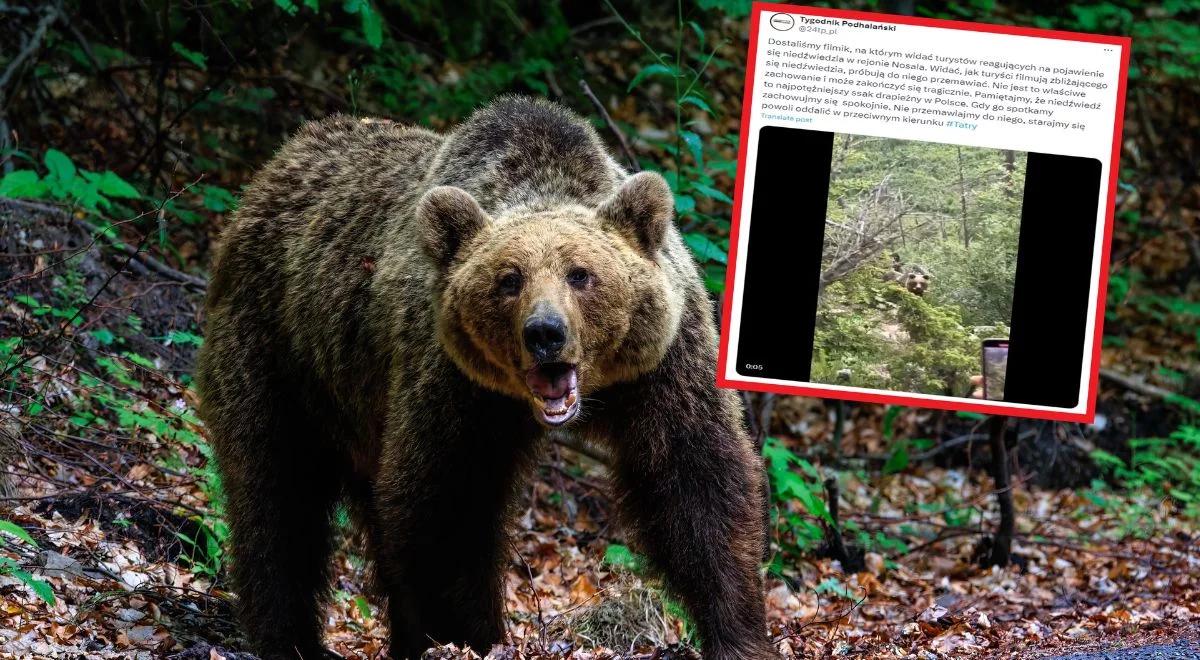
{"x": 281, "y": 483}
{"x": 279, "y": 512}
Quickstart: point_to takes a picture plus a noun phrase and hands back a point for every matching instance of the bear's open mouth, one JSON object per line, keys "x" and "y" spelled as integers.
{"x": 555, "y": 385}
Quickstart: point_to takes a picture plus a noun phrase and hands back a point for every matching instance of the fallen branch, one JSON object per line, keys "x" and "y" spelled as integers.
{"x": 578, "y": 446}
{"x": 197, "y": 283}
{"x": 192, "y": 281}
{"x": 612, "y": 125}
{"x": 1140, "y": 386}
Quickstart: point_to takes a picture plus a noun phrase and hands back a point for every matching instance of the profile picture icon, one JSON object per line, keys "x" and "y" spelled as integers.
{"x": 782, "y": 21}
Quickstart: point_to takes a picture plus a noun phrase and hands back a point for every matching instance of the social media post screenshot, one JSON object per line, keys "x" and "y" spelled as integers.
{"x": 922, "y": 212}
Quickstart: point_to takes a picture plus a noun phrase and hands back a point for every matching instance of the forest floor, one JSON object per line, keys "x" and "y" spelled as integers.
{"x": 114, "y": 507}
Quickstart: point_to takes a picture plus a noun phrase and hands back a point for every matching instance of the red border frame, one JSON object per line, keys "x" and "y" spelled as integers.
{"x": 968, "y": 405}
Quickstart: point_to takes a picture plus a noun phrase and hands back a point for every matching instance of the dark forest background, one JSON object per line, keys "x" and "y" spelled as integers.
{"x": 129, "y": 127}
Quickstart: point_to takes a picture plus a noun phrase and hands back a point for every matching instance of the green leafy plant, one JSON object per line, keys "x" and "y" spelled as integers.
{"x": 798, "y": 507}
{"x": 372, "y": 22}
{"x": 1168, "y": 467}
{"x": 877, "y": 541}
{"x": 620, "y": 556}
{"x": 1166, "y": 35}
{"x": 364, "y": 608}
{"x": 9, "y": 566}
{"x": 64, "y": 181}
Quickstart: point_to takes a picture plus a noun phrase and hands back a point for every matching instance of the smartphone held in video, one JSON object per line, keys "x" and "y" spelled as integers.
{"x": 909, "y": 188}
{"x": 995, "y": 365}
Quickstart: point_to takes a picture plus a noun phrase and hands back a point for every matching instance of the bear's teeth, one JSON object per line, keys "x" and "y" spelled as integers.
{"x": 560, "y": 407}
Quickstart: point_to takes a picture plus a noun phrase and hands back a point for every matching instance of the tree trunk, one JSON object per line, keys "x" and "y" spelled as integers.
{"x": 1010, "y": 169}
{"x": 962, "y": 196}
{"x": 1002, "y": 541}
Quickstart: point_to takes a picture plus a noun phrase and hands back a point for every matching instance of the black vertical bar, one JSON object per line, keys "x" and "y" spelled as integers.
{"x": 1053, "y": 280}
{"x": 783, "y": 264}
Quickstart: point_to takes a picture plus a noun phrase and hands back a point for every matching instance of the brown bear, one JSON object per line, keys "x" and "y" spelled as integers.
{"x": 914, "y": 278}
{"x": 917, "y": 280}
{"x": 397, "y": 317}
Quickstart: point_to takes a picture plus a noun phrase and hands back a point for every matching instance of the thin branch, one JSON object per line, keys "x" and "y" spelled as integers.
{"x": 31, "y": 47}
{"x": 612, "y": 126}
{"x": 67, "y": 323}
{"x": 582, "y": 481}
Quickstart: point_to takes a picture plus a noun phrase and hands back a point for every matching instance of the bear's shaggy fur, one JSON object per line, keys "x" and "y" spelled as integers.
{"x": 395, "y": 319}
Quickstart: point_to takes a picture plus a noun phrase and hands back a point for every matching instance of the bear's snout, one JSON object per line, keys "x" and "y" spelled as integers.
{"x": 545, "y": 334}
{"x": 553, "y": 380}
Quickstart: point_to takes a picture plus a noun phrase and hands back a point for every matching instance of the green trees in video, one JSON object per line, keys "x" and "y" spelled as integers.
{"x": 904, "y": 211}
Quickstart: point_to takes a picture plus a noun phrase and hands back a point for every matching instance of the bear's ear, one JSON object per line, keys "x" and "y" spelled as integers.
{"x": 642, "y": 210}
{"x": 447, "y": 217}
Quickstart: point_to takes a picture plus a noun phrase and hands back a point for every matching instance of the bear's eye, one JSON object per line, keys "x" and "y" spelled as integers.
{"x": 509, "y": 284}
{"x": 579, "y": 277}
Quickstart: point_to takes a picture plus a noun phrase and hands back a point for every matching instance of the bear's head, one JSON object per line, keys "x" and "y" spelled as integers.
{"x": 549, "y": 305}
{"x": 917, "y": 281}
